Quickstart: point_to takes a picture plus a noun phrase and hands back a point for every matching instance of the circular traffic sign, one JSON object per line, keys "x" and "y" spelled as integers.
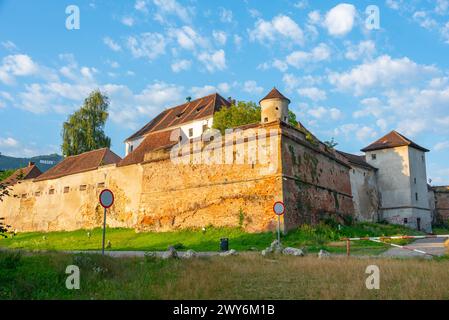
{"x": 279, "y": 208}
{"x": 106, "y": 198}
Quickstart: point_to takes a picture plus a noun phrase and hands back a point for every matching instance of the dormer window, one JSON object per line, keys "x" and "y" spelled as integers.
{"x": 179, "y": 115}
{"x": 373, "y": 156}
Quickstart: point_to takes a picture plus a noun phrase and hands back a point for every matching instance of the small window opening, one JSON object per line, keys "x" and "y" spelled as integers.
{"x": 66, "y": 189}
{"x": 265, "y": 119}
{"x": 100, "y": 185}
{"x": 405, "y": 220}
{"x": 83, "y": 187}
{"x": 373, "y": 156}
{"x": 416, "y": 196}
{"x": 51, "y": 191}
{"x": 190, "y": 132}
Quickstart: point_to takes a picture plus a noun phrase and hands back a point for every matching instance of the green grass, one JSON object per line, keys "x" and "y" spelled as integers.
{"x": 249, "y": 276}
{"x": 312, "y": 238}
{"x": 5, "y": 174}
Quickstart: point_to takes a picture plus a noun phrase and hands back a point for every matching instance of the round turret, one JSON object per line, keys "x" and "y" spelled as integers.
{"x": 274, "y": 107}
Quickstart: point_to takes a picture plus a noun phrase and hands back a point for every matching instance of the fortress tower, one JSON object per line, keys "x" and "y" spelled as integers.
{"x": 274, "y": 107}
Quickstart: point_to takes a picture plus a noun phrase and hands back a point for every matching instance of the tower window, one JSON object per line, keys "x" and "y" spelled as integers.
{"x": 405, "y": 220}
{"x": 51, "y": 191}
{"x": 373, "y": 156}
{"x": 265, "y": 119}
{"x": 190, "y": 132}
{"x": 66, "y": 189}
{"x": 414, "y": 180}
{"x": 277, "y": 108}
{"x": 416, "y": 196}
{"x": 180, "y": 138}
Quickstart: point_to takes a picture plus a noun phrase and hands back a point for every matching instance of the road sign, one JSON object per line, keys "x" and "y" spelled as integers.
{"x": 106, "y": 201}
{"x": 279, "y": 208}
{"x": 106, "y": 198}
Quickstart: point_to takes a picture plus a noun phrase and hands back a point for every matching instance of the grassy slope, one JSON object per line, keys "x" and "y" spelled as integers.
{"x": 314, "y": 238}
{"x": 241, "y": 277}
{"x": 5, "y": 174}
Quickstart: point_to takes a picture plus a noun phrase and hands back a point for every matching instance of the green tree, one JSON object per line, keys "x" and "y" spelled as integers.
{"x": 241, "y": 114}
{"x": 84, "y": 130}
{"x": 331, "y": 143}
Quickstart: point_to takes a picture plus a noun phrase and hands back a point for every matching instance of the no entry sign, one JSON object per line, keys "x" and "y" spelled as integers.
{"x": 279, "y": 208}
{"x": 106, "y": 198}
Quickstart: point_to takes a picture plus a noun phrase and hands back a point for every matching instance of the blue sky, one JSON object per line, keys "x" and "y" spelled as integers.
{"x": 344, "y": 80}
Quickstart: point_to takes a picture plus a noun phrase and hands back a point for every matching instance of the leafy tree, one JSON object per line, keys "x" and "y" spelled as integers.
{"x": 5, "y": 174}
{"x": 4, "y": 192}
{"x": 84, "y": 130}
{"x": 331, "y": 143}
{"x": 241, "y": 114}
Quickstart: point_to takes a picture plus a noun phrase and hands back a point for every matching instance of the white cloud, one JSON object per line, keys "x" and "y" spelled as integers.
{"x": 441, "y": 146}
{"x": 382, "y": 72}
{"x": 322, "y": 112}
{"x": 361, "y": 132}
{"x": 141, "y": 5}
{"x": 198, "y": 92}
{"x": 225, "y": 15}
{"x": 181, "y": 65}
{"x": 314, "y": 17}
{"x": 172, "y": 7}
{"x": 280, "y": 28}
{"x": 340, "y": 19}
{"x": 18, "y": 65}
{"x": 188, "y": 38}
{"x": 364, "y": 49}
{"x": 9, "y": 45}
{"x": 392, "y": 4}
{"x": 312, "y": 93}
{"x": 214, "y": 60}
{"x": 302, "y": 4}
{"x": 298, "y": 59}
{"x": 8, "y": 142}
{"x": 442, "y": 7}
{"x": 251, "y": 87}
{"x": 423, "y": 19}
{"x": 147, "y": 45}
{"x": 444, "y": 31}
{"x": 220, "y": 37}
{"x": 127, "y": 21}
{"x": 114, "y": 46}
{"x": 238, "y": 41}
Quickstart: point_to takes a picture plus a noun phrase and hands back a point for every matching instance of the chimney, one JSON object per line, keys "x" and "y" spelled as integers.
{"x": 30, "y": 163}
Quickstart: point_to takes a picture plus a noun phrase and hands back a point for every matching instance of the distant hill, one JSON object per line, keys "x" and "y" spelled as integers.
{"x": 42, "y": 162}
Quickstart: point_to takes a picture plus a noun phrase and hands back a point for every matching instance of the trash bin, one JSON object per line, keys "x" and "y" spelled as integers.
{"x": 224, "y": 244}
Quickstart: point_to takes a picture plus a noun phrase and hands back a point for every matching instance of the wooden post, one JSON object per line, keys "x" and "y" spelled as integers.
{"x": 348, "y": 247}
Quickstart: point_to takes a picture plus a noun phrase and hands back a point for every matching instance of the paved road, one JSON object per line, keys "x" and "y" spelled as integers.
{"x": 433, "y": 246}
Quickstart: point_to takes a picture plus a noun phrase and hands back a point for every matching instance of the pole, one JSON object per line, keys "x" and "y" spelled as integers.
{"x": 104, "y": 231}
{"x": 348, "y": 248}
{"x": 279, "y": 229}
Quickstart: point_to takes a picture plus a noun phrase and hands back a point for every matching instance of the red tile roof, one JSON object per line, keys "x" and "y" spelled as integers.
{"x": 186, "y": 112}
{"x": 274, "y": 93}
{"x": 30, "y": 172}
{"x": 86, "y": 161}
{"x": 392, "y": 140}
{"x": 153, "y": 141}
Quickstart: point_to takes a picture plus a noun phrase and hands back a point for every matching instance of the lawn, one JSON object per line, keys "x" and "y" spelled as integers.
{"x": 249, "y": 276}
{"x": 312, "y": 238}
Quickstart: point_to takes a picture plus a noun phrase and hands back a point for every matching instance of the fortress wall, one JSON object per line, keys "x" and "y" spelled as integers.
{"x": 317, "y": 183}
{"x": 48, "y": 206}
{"x": 161, "y": 195}
{"x": 195, "y": 195}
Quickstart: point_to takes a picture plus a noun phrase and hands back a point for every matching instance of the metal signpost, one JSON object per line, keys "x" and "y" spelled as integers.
{"x": 106, "y": 201}
{"x": 279, "y": 209}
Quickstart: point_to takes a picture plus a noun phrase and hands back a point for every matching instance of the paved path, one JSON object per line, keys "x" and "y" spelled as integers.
{"x": 433, "y": 246}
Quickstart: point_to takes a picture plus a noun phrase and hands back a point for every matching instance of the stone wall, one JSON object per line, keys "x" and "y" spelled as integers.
{"x": 161, "y": 195}
{"x": 365, "y": 194}
{"x": 316, "y": 181}
{"x": 441, "y": 195}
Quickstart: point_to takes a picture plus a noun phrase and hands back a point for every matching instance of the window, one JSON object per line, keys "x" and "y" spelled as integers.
{"x": 180, "y": 138}
{"x": 83, "y": 187}
{"x": 66, "y": 189}
{"x": 265, "y": 119}
{"x": 405, "y": 220}
{"x": 285, "y": 119}
{"x": 373, "y": 156}
{"x": 416, "y": 196}
{"x": 24, "y": 196}
{"x": 51, "y": 191}
{"x": 191, "y": 132}
{"x": 37, "y": 193}
{"x": 205, "y": 127}
{"x": 414, "y": 180}
{"x": 100, "y": 185}
{"x": 131, "y": 148}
